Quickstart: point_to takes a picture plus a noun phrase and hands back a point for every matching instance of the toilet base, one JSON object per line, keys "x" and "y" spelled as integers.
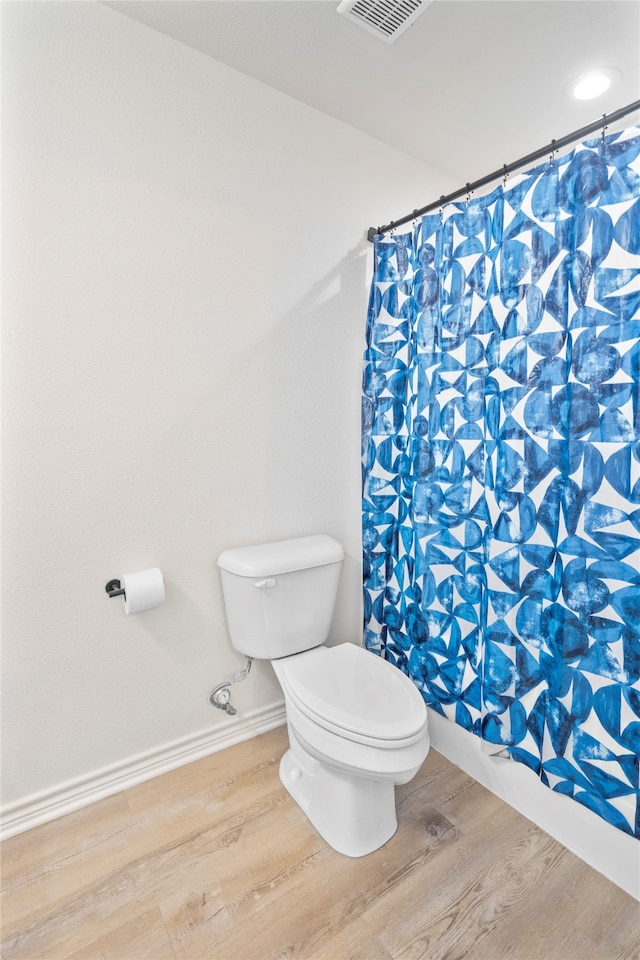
{"x": 353, "y": 814}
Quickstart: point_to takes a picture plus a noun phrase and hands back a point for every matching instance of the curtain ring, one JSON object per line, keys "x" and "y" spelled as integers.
{"x": 468, "y": 194}
{"x": 505, "y": 175}
{"x": 392, "y": 229}
{"x": 553, "y": 152}
{"x": 441, "y": 206}
{"x": 604, "y": 128}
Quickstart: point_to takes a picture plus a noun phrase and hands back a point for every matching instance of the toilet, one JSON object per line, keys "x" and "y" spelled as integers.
{"x": 357, "y": 725}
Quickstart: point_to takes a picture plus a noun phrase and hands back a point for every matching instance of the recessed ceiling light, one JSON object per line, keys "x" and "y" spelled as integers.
{"x": 593, "y": 84}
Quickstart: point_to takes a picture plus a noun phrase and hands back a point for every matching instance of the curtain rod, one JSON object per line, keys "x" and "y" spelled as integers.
{"x": 602, "y": 123}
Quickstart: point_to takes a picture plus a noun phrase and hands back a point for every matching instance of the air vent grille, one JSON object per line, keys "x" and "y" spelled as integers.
{"x": 386, "y": 19}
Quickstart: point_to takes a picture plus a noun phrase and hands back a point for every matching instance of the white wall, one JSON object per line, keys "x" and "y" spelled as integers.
{"x": 184, "y": 294}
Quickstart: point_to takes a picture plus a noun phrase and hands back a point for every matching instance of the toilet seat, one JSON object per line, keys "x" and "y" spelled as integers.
{"x": 355, "y": 694}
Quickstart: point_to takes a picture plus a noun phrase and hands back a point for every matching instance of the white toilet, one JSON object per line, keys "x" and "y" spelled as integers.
{"x": 357, "y": 725}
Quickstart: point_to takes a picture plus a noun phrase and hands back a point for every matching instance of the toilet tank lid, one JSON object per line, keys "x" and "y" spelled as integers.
{"x": 283, "y": 556}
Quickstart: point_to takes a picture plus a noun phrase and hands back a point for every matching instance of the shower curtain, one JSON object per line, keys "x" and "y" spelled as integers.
{"x": 501, "y": 468}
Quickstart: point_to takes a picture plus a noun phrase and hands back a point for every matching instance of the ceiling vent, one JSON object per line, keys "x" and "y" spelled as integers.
{"x": 385, "y": 19}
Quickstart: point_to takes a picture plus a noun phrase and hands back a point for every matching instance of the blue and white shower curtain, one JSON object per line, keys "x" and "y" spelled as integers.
{"x": 501, "y": 468}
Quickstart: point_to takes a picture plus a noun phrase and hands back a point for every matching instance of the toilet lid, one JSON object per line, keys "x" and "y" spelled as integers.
{"x": 355, "y": 690}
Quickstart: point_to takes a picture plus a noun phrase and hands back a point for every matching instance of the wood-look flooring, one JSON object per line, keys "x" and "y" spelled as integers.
{"x": 215, "y": 861}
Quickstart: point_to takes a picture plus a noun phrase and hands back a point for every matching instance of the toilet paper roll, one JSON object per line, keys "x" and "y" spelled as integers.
{"x": 143, "y": 590}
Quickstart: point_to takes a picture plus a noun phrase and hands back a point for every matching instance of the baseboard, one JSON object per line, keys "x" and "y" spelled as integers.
{"x": 609, "y": 851}
{"x": 605, "y": 848}
{"x": 73, "y": 795}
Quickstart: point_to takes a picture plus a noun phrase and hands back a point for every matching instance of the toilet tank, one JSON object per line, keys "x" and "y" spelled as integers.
{"x": 279, "y": 597}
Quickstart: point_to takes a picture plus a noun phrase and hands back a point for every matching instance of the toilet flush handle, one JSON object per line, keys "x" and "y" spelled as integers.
{"x": 263, "y": 584}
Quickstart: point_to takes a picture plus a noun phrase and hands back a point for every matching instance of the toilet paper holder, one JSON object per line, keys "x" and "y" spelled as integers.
{"x": 139, "y": 591}
{"x": 114, "y": 588}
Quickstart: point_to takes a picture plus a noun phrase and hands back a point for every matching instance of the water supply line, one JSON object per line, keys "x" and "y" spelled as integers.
{"x": 220, "y": 696}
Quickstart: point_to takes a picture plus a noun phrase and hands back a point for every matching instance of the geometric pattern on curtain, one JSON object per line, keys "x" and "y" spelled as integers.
{"x": 501, "y": 468}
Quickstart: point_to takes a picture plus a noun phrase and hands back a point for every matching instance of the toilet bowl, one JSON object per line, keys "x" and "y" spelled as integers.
{"x": 347, "y": 753}
{"x": 357, "y": 725}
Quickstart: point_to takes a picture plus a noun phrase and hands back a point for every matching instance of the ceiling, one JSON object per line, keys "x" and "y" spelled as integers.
{"x": 472, "y": 85}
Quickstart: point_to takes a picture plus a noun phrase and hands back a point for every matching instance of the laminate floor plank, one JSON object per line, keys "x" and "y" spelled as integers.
{"x": 141, "y": 937}
{"x": 68, "y": 847}
{"x": 472, "y": 904}
{"x": 205, "y": 779}
{"x": 588, "y": 919}
{"x": 132, "y": 867}
{"x": 456, "y": 898}
{"x": 216, "y": 862}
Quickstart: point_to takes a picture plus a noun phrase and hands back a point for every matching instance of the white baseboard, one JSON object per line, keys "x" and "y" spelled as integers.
{"x": 605, "y": 848}
{"x": 50, "y": 804}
